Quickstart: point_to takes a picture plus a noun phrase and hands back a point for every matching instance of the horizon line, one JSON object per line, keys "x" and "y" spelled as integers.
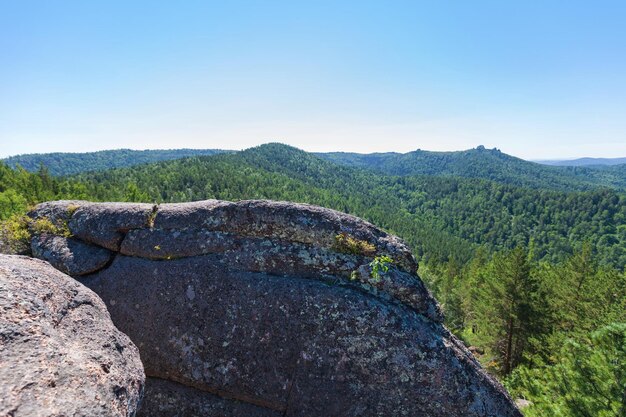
{"x": 551, "y": 159}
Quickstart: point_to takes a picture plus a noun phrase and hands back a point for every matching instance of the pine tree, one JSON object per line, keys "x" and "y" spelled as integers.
{"x": 508, "y": 312}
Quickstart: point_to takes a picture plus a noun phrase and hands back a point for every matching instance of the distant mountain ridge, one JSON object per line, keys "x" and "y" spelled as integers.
{"x": 482, "y": 163}
{"x": 584, "y": 162}
{"x": 477, "y": 163}
{"x": 68, "y": 163}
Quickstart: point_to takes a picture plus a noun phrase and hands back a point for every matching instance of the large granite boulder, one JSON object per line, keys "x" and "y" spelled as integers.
{"x": 262, "y": 308}
{"x": 60, "y": 354}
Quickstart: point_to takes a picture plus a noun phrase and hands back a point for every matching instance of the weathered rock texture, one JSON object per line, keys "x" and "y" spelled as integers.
{"x": 60, "y": 354}
{"x": 256, "y": 308}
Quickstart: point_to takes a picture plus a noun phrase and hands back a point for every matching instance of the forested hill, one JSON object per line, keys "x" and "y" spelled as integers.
{"x": 441, "y": 217}
{"x": 65, "y": 163}
{"x": 489, "y": 164}
{"x": 479, "y": 163}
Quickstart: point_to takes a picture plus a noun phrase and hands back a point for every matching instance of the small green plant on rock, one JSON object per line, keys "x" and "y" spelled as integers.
{"x": 44, "y": 225}
{"x": 380, "y": 266}
{"x": 345, "y": 243}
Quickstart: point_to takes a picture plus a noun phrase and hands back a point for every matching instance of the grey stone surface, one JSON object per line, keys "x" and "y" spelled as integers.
{"x": 293, "y": 345}
{"x": 106, "y": 224}
{"x": 255, "y": 303}
{"x": 292, "y": 222}
{"x": 60, "y": 354}
{"x": 70, "y": 255}
{"x": 58, "y": 212}
{"x": 9, "y": 245}
{"x": 167, "y": 398}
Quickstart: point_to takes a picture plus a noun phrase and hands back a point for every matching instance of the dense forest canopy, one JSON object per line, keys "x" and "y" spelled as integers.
{"x": 529, "y": 269}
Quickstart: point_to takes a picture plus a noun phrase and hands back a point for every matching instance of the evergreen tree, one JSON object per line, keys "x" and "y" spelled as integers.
{"x": 508, "y": 314}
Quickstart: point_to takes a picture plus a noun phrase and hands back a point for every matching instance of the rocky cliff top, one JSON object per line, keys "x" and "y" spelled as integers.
{"x": 267, "y": 309}
{"x": 278, "y": 238}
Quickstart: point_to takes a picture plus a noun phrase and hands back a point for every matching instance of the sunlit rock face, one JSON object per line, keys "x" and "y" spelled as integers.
{"x": 261, "y": 308}
{"x": 60, "y": 354}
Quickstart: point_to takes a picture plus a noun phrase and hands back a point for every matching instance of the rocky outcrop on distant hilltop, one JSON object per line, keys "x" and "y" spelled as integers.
{"x": 60, "y": 354}
{"x": 269, "y": 309}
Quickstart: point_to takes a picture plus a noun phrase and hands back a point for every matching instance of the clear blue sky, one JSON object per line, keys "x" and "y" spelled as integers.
{"x": 537, "y": 79}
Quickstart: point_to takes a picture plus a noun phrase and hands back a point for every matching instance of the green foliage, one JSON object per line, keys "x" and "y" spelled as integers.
{"x": 519, "y": 310}
{"x": 345, "y": 243}
{"x": 44, "y": 225}
{"x": 508, "y": 308}
{"x": 11, "y": 202}
{"x": 588, "y": 379}
{"x": 20, "y": 188}
{"x": 133, "y": 193}
{"x": 14, "y": 235}
{"x": 380, "y": 266}
{"x": 447, "y": 282}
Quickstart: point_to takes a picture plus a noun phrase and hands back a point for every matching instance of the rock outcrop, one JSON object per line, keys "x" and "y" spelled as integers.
{"x": 269, "y": 309}
{"x": 60, "y": 354}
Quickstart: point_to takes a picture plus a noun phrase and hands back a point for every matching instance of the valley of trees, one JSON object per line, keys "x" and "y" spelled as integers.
{"x": 529, "y": 269}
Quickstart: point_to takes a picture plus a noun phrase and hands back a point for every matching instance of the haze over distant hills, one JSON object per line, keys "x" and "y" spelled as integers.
{"x": 67, "y": 163}
{"x": 588, "y": 162}
{"x": 482, "y": 163}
